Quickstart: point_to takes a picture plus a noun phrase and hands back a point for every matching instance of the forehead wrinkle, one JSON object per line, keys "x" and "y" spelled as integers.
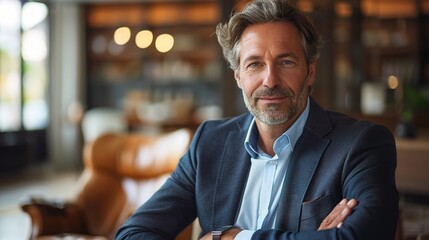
{"x": 256, "y": 47}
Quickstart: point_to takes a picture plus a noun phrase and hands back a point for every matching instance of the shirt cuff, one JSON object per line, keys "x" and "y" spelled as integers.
{"x": 244, "y": 235}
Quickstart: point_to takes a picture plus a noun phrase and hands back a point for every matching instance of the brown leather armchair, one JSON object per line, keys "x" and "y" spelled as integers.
{"x": 121, "y": 171}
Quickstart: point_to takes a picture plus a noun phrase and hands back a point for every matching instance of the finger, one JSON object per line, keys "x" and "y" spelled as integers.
{"x": 332, "y": 219}
{"x": 338, "y": 209}
{"x": 352, "y": 203}
{"x": 339, "y": 214}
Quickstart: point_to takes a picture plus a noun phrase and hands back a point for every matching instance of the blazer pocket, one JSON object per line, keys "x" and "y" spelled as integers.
{"x": 314, "y": 211}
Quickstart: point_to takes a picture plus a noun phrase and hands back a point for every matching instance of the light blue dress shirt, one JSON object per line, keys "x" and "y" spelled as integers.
{"x": 266, "y": 177}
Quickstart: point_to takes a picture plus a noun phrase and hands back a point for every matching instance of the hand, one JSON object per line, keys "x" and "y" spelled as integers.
{"x": 338, "y": 214}
{"x": 227, "y": 235}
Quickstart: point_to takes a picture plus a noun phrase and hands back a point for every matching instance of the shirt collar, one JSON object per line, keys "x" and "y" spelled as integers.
{"x": 291, "y": 135}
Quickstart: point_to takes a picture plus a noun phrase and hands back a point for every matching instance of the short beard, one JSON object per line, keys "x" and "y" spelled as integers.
{"x": 270, "y": 114}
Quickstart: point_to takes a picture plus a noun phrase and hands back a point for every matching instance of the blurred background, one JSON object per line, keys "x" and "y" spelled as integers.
{"x": 71, "y": 69}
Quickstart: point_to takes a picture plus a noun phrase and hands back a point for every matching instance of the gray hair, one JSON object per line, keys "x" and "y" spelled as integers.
{"x": 263, "y": 11}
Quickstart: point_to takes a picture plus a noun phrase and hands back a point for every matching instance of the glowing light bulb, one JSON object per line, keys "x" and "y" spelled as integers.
{"x": 144, "y": 39}
{"x": 122, "y": 35}
{"x": 164, "y": 43}
{"x": 393, "y": 82}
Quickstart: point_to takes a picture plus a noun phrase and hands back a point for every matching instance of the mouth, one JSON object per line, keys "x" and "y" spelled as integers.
{"x": 272, "y": 99}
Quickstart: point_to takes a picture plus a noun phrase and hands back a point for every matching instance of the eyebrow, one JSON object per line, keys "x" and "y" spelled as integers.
{"x": 288, "y": 54}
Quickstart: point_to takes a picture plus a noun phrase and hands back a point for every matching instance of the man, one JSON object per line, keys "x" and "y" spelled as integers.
{"x": 287, "y": 170}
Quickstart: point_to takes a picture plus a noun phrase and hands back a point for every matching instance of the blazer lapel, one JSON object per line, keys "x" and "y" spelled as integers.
{"x": 231, "y": 179}
{"x": 303, "y": 163}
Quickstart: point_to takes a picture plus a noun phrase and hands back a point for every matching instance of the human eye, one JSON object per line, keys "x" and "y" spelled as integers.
{"x": 287, "y": 62}
{"x": 253, "y": 65}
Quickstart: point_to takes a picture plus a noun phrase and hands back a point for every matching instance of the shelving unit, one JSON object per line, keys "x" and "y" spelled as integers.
{"x": 372, "y": 41}
{"x": 192, "y": 70}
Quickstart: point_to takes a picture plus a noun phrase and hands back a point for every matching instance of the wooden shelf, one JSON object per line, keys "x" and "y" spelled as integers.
{"x": 193, "y": 63}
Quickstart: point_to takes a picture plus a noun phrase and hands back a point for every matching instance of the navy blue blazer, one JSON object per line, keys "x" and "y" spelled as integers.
{"x": 336, "y": 157}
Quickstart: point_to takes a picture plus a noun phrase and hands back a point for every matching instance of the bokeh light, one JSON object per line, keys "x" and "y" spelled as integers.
{"x": 34, "y": 46}
{"x": 144, "y": 38}
{"x": 122, "y": 35}
{"x": 32, "y": 14}
{"x": 164, "y": 43}
{"x": 392, "y": 82}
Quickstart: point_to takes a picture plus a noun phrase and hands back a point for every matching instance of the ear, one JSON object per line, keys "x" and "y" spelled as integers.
{"x": 311, "y": 73}
{"x": 237, "y": 78}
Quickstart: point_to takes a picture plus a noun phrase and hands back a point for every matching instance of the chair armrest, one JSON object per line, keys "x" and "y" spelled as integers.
{"x": 53, "y": 217}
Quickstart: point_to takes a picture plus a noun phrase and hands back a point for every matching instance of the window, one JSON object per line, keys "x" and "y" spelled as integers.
{"x": 23, "y": 65}
{"x": 23, "y": 83}
{"x": 10, "y": 65}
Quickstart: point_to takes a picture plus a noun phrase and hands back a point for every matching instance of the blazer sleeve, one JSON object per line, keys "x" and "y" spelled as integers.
{"x": 368, "y": 176}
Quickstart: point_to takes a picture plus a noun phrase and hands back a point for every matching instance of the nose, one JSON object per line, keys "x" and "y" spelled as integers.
{"x": 271, "y": 77}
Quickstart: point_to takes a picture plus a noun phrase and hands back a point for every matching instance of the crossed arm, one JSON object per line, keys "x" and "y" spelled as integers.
{"x": 335, "y": 219}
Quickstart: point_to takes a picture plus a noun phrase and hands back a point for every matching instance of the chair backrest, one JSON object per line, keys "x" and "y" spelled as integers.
{"x": 122, "y": 171}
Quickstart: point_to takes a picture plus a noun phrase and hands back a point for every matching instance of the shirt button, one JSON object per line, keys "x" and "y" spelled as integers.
{"x": 273, "y": 162}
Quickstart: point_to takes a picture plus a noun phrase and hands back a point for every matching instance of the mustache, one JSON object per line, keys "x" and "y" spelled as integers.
{"x": 272, "y": 92}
